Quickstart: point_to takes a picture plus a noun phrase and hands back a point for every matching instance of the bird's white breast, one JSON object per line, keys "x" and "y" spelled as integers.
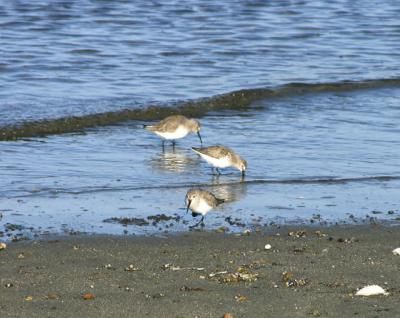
{"x": 177, "y": 134}
{"x": 219, "y": 163}
{"x": 200, "y": 206}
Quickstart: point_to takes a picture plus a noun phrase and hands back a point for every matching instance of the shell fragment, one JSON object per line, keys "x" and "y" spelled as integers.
{"x": 371, "y": 290}
{"x": 396, "y": 251}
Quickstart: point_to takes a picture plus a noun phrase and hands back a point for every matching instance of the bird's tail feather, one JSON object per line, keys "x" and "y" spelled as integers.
{"x": 149, "y": 127}
{"x": 196, "y": 149}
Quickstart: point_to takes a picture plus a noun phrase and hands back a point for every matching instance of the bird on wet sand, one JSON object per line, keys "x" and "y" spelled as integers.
{"x": 201, "y": 202}
{"x": 221, "y": 157}
{"x": 175, "y": 127}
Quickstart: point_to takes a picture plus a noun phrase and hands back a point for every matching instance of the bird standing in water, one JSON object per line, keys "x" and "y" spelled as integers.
{"x": 221, "y": 157}
{"x": 175, "y": 127}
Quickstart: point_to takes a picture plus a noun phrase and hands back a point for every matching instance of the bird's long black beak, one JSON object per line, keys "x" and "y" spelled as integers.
{"x": 198, "y": 134}
{"x": 188, "y": 206}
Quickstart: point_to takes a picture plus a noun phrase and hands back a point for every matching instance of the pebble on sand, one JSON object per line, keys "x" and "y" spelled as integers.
{"x": 88, "y": 296}
{"x": 3, "y": 246}
{"x": 267, "y": 246}
{"x": 371, "y": 290}
{"x": 396, "y": 251}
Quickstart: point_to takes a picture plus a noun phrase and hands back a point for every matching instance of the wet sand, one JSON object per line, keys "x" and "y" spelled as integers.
{"x": 203, "y": 274}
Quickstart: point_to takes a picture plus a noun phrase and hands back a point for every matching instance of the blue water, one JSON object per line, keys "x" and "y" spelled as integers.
{"x": 60, "y": 58}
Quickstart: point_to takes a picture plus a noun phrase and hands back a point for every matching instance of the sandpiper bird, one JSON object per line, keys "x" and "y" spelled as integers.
{"x": 201, "y": 202}
{"x": 221, "y": 157}
{"x": 175, "y": 127}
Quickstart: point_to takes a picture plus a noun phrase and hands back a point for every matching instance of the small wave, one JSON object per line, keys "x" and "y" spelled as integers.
{"x": 238, "y": 100}
{"x": 322, "y": 180}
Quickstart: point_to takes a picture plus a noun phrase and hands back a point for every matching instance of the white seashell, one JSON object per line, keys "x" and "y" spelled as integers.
{"x": 268, "y": 246}
{"x": 371, "y": 290}
{"x": 3, "y": 246}
{"x": 396, "y": 251}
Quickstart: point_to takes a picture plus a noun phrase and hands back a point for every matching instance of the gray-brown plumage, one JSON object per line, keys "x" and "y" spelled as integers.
{"x": 175, "y": 127}
{"x": 201, "y": 202}
{"x": 222, "y": 157}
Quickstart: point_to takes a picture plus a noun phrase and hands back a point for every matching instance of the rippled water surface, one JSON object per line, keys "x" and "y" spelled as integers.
{"x": 60, "y": 58}
{"x": 311, "y": 93}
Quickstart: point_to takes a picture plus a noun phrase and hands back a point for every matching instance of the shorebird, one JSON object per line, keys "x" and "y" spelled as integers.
{"x": 221, "y": 157}
{"x": 175, "y": 127}
{"x": 201, "y": 202}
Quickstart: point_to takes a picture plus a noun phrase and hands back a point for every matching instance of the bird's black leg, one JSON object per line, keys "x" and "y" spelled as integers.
{"x": 193, "y": 226}
{"x": 173, "y": 144}
{"x": 163, "y": 146}
{"x": 218, "y": 171}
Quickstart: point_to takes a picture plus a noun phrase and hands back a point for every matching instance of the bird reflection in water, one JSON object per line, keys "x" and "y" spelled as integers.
{"x": 174, "y": 159}
{"x": 229, "y": 191}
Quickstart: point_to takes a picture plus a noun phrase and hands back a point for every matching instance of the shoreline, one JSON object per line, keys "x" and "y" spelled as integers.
{"x": 308, "y": 272}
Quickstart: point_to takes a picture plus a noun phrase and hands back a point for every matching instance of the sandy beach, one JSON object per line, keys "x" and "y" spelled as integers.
{"x": 306, "y": 272}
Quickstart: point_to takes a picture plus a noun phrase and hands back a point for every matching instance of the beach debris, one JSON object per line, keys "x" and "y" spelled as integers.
{"x": 13, "y": 227}
{"x": 88, "y": 296}
{"x": 52, "y": 296}
{"x": 108, "y": 266}
{"x": 240, "y": 298}
{"x": 267, "y": 246}
{"x": 320, "y": 234}
{"x": 3, "y": 246}
{"x": 297, "y": 234}
{"x": 315, "y": 313}
{"x": 190, "y": 289}
{"x": 155, "y": 296}
{"x": 347, "y": 240}
{"x": 234, "y": 222}
{"x": 28, "y": 298}
{"x": 246, "y": 232}
{"x": 255, "y": 265}
{"x": 396, "y": 251}
{"x": 371, "y": 290}
{"x": 290, "y": 281}
{"x": 227, "y": 315}
{"x": 171, "y": 267}
{"x": 127, "y": 221}
{"x": 8, "y": 285}
{"x": 21, "y": 256}
{"x": 76, "y": 247}
{"x": 222, "y": 229}
{"x": 299, "y": 249}
{"x": 131, "y": 268}
{"x": 155, "y": 219}
{"x": 241, "y": 275}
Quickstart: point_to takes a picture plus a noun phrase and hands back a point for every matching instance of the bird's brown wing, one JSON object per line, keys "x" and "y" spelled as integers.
{"x": 170, "y": 124}
{"x": 215, "y": 151}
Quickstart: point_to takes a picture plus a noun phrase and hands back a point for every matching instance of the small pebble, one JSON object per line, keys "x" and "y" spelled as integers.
{"x": 3, "y": 246}
{"x": 88, "y": 296}
{"x": 267, "y": 246}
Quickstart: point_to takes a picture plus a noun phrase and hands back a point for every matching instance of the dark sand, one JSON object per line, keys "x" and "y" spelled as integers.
{"x": 48, "y": 278}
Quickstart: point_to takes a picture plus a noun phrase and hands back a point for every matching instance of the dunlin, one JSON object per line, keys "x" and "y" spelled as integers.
{"x": 201, "y": 202}
{"x": 222, "y": 157}
{"x": 175, "y": 127}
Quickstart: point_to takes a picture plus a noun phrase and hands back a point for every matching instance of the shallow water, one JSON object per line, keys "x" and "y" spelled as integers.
{"x": 310, "y": 98}
{"x": 332, "y": 157}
